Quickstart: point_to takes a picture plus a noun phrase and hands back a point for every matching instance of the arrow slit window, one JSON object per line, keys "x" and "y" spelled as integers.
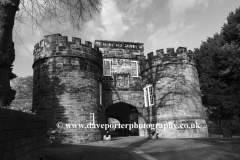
{"x": 134, "y": 68}
{"x": 100, "y": 92}
{"x": 148, "y": 96}
{"x": 106, "y": 67}
{"x": 92, "y": 118}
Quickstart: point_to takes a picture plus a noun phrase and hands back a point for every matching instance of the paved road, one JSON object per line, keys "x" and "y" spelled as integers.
{"x": 185, "y": 149}
{"x": 139, "y": 148}
{"x": 92, "y": 151}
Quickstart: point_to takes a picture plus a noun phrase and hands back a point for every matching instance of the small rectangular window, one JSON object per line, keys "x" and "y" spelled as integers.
{"x": 106, "y": 67}
{"x": 134, "y": 68}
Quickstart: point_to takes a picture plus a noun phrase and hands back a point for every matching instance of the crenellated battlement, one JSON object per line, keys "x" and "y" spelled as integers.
{"x": 180, "y": 56}
{"x": 57, "y": 45}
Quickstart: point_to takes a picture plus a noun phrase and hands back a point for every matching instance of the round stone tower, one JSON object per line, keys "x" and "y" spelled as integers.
{"x": 66, "y": 87}
{"x": 176, "y": 104}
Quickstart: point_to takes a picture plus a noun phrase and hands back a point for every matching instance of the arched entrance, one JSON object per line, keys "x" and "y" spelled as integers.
{"x": 125, "y": 114}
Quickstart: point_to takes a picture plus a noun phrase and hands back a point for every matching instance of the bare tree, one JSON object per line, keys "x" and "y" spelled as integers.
{"x": 75, "y": 12}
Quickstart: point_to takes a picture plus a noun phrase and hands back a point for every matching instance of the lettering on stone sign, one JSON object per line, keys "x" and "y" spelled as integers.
{"x": 118, "y": 45}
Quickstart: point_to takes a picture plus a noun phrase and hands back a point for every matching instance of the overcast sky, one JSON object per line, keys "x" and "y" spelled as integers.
{"x": 156, "y": 23}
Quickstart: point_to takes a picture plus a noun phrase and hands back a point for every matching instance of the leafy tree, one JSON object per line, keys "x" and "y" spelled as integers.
{"x": 231, "y": 29}
{"x": 24, "y": 92}
{"x": 59, "y": 11}
{"x": 23, "y": 87}
{"x": 208, "y": 73}
{"x": 218, "y": 63}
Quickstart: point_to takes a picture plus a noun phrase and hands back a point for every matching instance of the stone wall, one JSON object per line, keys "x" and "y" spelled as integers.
{"x": 121, "y": 54}
{"x": 66, "y": 83}
{"x": 134, "y": 98}
{"x": 121, "y": 86}
{"x": 22, "y": 136}
{"x": 177, "y": 97}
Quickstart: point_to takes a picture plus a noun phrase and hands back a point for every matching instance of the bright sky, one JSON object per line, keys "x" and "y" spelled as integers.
{"x": 156, "y": 23}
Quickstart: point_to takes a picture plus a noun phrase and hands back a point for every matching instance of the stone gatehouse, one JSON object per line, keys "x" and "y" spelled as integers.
{"x": 114, "y": 79}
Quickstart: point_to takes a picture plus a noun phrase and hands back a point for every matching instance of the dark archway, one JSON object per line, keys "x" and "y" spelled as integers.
{"x": 126, "y": 114}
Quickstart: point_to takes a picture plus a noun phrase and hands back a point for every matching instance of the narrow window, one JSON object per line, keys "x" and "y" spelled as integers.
{"x": 148, "y": 96}
{"x": 106, "y": 67}
{"x": 92, "y": 118}
{"x": 134, "y": 68}
{"x": 145, "y": 96}
{"x": 100, "y": 92}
